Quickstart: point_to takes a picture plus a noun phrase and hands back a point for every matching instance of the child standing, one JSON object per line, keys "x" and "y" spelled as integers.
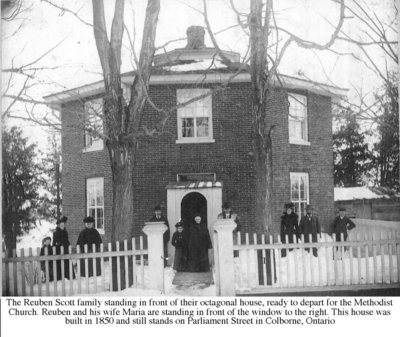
{"x": 46, "y": 244}
{"x": 180, "y": 244}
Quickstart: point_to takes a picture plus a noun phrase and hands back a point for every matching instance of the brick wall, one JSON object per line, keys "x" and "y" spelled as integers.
{"x": 230, "y": 158}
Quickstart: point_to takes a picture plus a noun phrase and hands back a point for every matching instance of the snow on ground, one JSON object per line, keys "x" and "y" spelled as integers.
{"x": 34, "y": 238}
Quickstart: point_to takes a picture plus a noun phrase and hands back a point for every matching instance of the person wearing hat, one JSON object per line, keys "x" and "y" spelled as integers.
{"x": 46, "y": 246}
{"x": 198, "y": 245}
{"x": 60, "y": 239}
{"x": 342, "y": 224}
{"x": 228, "y": 214}
{"x": 159, "y": 217}
{"x": 179, "y": 241}
{"x": 309, "y": 224}
{"x": 289, "y": 226}
{"x": 89, "y": 236}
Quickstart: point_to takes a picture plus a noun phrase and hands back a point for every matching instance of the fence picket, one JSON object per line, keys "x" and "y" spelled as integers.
{"x": 31, "y": 274}
{"x": 397, "y": 236}
{"x": 23, "y": 276}
{"x": 319, "y": 260}
{"x": 87, "y": 286}
{"x": 351, "y": 264}
{"x": 39, "y": 274}
{"x": 264, "y": 261}
{"x": 343, "y": 251}
{"x": 141, "y": 260}
{"x": 103, "y": 270}
{"x": 118, "y": 269}
{"x": 247, "y": 252}
{"x": 328, "y": 262}
{"x": 366, "y": 248}
{"x": 94, "y": 266}
{"x": 134, "y": 262}
{"x": 78, "y": 270}
{"x": 335, "y": 259}
{"x": 62, "y": 262}
{"x": 46, "y": 253}
{"x": 287, "y": 262}
{"x": 271, "y": 261}
{"x": 71, "y": 273}
{"x": 375, "y": 281}
{"x": 278, "y": 255}
{"x": 310, "y": 255}
{"x": 126, "y": 265}
{"x": 303, "y": 260}
{"x": 382, "y": 248}
{"x": 110, "y": 269}
{"x": 390, "y": 249}
{"x": 239, "y": 242}
{"x": 15, "y": 274}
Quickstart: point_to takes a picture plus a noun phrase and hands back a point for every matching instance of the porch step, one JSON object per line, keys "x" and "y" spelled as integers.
{"x": 191, "y": 279}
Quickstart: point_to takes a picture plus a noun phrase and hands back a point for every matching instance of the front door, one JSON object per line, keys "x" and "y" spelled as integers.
{"x": 192, "y": 204}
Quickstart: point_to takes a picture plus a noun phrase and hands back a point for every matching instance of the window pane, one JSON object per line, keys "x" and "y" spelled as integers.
{"x": 187, "y": 127}
{"x": 298, "y": 117}
{"x": 99, "y": 219}
{"x": 295, "y": 190}
{"x": 202, "y": 127}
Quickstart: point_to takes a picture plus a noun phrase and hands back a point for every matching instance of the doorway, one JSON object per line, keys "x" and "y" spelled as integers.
{"x": 193, "y": 203}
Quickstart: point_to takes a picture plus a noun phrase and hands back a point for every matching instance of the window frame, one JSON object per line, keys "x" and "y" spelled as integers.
{"x": 97, "y": 144}
{"x": 194, "y": 93}
{"x": 94, "y": 180}
{"x": 294, "y": 139}
{"x": 298, "y": 175}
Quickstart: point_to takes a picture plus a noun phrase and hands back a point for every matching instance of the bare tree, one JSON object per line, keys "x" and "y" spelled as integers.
{"x": 268, "y": 44}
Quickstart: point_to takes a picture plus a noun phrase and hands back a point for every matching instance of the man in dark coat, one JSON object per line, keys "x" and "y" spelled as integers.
{"x": 179, "y": 241}
{"x": 89, "y": 236}
{"x": 159, "y": 217}
{"x": 309, "y": 224}
{"x": 289, "y": 226}
{"x": 60, "y": 239}
{"x": 228, "y": 214}
{"x": 341, "y": 224}
{"x": 198, "y": 245}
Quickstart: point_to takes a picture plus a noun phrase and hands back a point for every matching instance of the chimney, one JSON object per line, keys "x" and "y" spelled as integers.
{"x": 195, "y": 37}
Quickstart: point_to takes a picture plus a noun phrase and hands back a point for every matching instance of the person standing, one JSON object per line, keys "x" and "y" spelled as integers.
{"x": 228, "y": 214}
{"x": 60, "y": 239}
{"x": 309, "y": 224}
{"x": 159, "y": 217}
{"x": 89, "y": 236}
{"x": 342, "y": 224}
{"x": 180, "y": 243}
{"x": 289, "y": 226}
{"x": 198, "y": 245}
{"x": 46, "y": 243}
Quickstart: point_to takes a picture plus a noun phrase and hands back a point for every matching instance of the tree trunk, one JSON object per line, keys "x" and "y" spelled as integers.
{"x": 122, "y": 166}
{"x": 263, "y": 164}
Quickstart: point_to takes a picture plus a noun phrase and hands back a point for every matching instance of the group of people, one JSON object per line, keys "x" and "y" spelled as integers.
{"x": 88, "y": 236}
{"x": 291, "y": 229}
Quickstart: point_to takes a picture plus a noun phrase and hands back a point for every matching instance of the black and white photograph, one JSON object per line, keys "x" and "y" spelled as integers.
{"x": 199, "y": 148}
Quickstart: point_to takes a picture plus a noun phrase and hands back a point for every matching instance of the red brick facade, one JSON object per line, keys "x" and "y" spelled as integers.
{"x": 229, "y": 157}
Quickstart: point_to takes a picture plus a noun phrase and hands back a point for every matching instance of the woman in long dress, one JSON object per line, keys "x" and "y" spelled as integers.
{"x": 60, "y": 239}
{"x": 199, "y": 244}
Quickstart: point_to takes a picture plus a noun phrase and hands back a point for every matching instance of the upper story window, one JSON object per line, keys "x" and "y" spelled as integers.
{"x": 299, "y": 191}
{"x": 298, "y": 128}
{"x": 94, "y": 125}
{"x": 194, "y": 119}
{"x": 95, "y": 201}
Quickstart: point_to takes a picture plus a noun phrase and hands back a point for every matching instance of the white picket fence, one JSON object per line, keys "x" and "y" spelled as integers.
{"x": 266, "y": 265}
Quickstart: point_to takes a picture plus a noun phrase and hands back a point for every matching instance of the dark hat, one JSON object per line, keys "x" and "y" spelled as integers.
{"x": 226, "y": 205}
{"x": 62, "y": 219}
{"x": 46, "y": 238}
{"x": 196, "y": 215}
{"x": 157, "y": 208}
{"x": 289, "y": 205}
{"x": 179, "y": 224}
{"x": 342, "y": 209}
{"x": 88, "y": 219}
{"x": 308, "y": 207}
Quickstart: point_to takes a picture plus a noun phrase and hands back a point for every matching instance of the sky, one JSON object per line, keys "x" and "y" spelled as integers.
{"x": 75, "y": 61}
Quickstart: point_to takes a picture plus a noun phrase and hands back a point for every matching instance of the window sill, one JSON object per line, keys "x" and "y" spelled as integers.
{"x": 299, "y": 142}
{"x": 195, "y": 140}
{"x": 92, "y": 149}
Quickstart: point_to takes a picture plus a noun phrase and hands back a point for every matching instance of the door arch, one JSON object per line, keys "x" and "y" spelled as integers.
{"x": 191, "y": 204}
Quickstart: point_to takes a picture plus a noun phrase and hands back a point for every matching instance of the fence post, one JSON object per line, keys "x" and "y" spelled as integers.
{"x": 154, "y": 232}
{"x": 224, "y": 229}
